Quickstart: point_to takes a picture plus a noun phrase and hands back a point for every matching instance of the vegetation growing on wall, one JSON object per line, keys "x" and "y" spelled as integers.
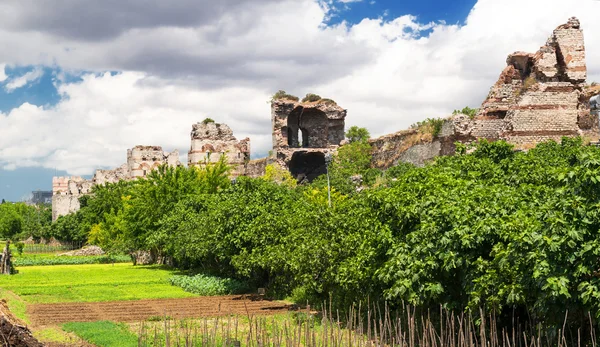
{"x": 311, "y": 98}
{"x": 282, "y": 95}
{"x": 471, "y": 112}
{"x": 430, "y": 126}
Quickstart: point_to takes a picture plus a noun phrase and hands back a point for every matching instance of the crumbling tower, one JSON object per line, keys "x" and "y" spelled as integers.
{"x": 212, "y": 140}
{"x": 303, "y": 132}
{"x": 540, "y": 96}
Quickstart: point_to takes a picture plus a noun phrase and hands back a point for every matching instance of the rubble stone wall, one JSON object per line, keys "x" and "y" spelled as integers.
{"x": 538, "y": 97}
{"x": 210, "y": 141}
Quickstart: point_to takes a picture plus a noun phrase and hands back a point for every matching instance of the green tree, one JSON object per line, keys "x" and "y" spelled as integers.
{"x": 356, "y": 133}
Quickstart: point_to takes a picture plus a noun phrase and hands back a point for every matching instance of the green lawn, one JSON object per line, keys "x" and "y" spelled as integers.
{"x": 87, "y": 283}
{"x": 103, "y": 333}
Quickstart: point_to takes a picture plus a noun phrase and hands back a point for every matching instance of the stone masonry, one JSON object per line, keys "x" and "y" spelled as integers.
{"x": 304, "y": 132}
{"x": 212, "y": 140}
{"x": 140, "y": 161}
{"x": 538, "y": 96}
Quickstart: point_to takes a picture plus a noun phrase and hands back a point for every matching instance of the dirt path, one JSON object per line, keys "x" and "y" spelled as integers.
{"x": 138, "y": 310}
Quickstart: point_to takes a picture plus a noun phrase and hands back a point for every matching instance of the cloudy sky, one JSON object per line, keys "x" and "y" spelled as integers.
{"x": 82, "y": 81}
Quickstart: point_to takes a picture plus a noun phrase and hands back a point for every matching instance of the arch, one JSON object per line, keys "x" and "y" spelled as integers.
{"x": 307, "y": 165}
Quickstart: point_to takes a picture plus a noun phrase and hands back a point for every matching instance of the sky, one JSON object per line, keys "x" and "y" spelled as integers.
{"x": 81, "y": 80}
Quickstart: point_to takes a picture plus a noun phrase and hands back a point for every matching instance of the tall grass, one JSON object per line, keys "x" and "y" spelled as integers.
{"x": 376, "y": 326}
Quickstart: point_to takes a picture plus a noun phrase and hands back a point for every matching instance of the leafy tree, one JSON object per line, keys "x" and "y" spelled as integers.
{"x": 355, "y": 134}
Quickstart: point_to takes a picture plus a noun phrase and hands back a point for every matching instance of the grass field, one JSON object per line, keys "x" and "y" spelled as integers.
{"x": 89, "y": 283}
{"x": 103, "y": 333}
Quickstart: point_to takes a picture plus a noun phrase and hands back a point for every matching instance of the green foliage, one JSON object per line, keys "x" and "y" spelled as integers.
{"x": 311, "y": 98}
{"x": 209, "y": 285}
{"x": 471, "y": 112}
{"x": 40, "y": 260}
{"x": 21, "y": 221}
{"x": 489, "y": 227}
{"x": 276, "y": 173}
{"x": 355, "y": 134}
{"x": 20, "y": 246}
{"x": 103, "y": 333}
{"x": 282, "y": 95}
{"x": 208, "y": 120}
{"x": 431, "y": 126}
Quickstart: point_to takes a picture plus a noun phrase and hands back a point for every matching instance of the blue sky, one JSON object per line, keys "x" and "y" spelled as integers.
{"x": 143, "y": 77}
{"x": 451, "y": 11}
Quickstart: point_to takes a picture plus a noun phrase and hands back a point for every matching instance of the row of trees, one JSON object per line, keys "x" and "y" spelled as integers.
{"x": 21, "y": 221}
{"x": 489, "y": 227}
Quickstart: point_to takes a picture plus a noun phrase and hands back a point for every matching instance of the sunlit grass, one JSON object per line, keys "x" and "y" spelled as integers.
{"x": 89, "y": 283}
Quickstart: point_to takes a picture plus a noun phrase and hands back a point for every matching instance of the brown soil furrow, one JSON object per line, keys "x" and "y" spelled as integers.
{"x": 133, "y": 311}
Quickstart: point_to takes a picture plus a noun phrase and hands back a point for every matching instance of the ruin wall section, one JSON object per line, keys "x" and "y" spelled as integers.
{"x": 140, "y": 161}
{"x": 210, "y": 141}
{"x": 538, "y": 97}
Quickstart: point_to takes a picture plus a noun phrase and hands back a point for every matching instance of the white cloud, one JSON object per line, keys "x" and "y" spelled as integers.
{"x": 21, "y": 81}
{"x": 385, "y": 72}
{"x": 3, "y": 72}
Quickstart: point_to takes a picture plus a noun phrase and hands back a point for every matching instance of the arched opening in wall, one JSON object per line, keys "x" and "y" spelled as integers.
{"x": 307, "y": 165}
{"x": 293, "y": 127}
{"x": 315, "y": 128}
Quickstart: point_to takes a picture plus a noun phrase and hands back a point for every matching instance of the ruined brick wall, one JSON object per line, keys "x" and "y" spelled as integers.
{"x": 303, "y": 133}
{"x": 538, "y": 96}
{"x": 257, "y": 167}
{"x": 143, "y": 159}
{"x": 140, "y": 161}
{"x": 212, "y": 140}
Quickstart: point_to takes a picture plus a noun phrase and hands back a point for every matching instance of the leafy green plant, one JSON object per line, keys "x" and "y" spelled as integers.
{"x": 209, "y": 285}
{"x": 208, "y": 120}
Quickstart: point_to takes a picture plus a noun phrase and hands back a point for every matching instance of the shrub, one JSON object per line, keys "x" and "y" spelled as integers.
{"x": 327, "y": 101}
{"x": 282, "y": 95}
{"x": 208, "y": 120}
{"x": 431, "y": 126}
{"x": 471, "y": 112}
{"x": 20, "y": 246}
{"x": 209, "y": 285}
{"x": 311, "y": 98}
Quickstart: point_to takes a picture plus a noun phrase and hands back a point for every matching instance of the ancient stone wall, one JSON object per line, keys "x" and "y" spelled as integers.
{"x": 538, "y": 96}
{"x": 212, "y": 140}
{"x": 140, "y": 161}
{"x": 143, "y": 159}
{"x": 303, "y": 133}
{"x": 257, "y": 167}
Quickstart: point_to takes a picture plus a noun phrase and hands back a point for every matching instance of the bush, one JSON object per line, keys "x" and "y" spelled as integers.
{"x": 209, "y": 285}
{"x": 311, "y": 98}
{"x": 282, "y": 95}
{"x": 471, "y": 112}
{"x": 20, "y": 246}
{"x": 208, "y": 120}
{"x": 431, "y": 126}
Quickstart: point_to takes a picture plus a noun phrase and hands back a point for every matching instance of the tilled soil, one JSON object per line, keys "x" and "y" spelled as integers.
{"x": 139, "y": 310}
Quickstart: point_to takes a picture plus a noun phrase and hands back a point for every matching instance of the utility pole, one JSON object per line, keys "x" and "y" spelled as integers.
{"x": 328, "y": 159}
